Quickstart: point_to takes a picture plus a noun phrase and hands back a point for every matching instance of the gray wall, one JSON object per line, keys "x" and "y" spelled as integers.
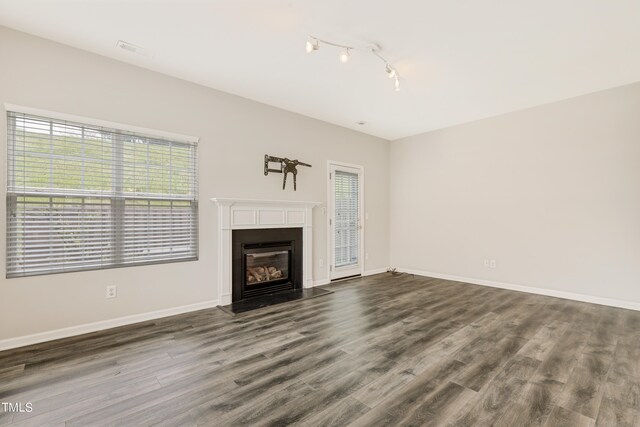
{"x": 233, "y": 131}
{"x": 552, "y": 193}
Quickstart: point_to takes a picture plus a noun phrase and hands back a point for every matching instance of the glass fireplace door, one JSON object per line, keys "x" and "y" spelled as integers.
{"x": 266, "y": 267}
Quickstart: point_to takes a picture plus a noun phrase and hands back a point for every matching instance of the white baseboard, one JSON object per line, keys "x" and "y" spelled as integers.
{"x": 375, "y": 271}
{"x": 101, "y": 325}
{"x": 529, "y": 289}
{"x": 321, "y": 282}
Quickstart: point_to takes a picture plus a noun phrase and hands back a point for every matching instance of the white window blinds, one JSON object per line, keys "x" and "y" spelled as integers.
{"x": 346, "y": 217}
{"x": 83, "y": 197}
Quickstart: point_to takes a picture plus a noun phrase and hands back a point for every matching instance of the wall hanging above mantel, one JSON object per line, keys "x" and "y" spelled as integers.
{"x": 287, "y": 166}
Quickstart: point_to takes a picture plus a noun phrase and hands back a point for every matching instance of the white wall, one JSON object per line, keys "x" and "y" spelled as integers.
{"x": 552, "y": 193}
{"x": 235, "y": 134}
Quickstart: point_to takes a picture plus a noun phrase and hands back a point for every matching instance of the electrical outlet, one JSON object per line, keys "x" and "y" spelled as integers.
{"x": 321, "y": 262}
{"x": 492, "y": 263}
{"x": 486, "y": 262}
{"x": 112, "y": 291}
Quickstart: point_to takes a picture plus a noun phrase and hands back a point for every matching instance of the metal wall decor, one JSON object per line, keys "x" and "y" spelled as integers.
{"x": 287, "y": 166}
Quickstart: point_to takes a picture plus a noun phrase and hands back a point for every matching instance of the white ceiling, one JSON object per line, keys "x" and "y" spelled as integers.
{"x": 460, "y": 60}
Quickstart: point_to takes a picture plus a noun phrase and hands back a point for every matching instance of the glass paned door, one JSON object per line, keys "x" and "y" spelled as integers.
{"x": 345, "y": 221}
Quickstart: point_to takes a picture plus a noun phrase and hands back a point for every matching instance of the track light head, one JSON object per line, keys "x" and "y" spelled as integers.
{"x": 312, "y": 44}
{"x": 391, "y": 72}
{"x": 344, "y": 56}
{"x": 397, "y": 84}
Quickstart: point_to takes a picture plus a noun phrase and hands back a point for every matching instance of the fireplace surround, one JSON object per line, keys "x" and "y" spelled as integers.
{"x": 251, "y": 214}
{"x": 266, "y": 260}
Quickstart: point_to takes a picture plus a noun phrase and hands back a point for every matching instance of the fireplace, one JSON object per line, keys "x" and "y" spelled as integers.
{"x": 265, "y": 261}
{"x": 239, "y": 215}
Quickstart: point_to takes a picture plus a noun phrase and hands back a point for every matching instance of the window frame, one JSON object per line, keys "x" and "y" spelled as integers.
{"x": 117, "y": 197}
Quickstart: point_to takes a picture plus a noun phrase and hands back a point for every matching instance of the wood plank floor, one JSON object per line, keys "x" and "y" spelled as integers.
{"x": 383, "y": 350}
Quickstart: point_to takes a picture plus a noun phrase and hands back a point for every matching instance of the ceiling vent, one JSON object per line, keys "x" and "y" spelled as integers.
{"x": 129, "y": 47}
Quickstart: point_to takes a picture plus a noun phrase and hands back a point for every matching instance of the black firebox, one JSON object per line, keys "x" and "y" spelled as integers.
{"x": 266, "y": 261}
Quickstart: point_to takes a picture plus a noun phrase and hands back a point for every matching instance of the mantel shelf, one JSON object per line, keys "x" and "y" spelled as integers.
{"x": 227, "y": 201}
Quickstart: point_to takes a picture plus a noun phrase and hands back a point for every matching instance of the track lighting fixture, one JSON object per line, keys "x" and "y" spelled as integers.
{"x": 344, "y": 56}
{"x": 391, "y": 72}
{"x": 313, "y": 44}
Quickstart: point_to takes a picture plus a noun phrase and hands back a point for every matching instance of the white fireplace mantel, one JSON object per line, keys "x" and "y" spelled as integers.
{"x": 242, "y": 214}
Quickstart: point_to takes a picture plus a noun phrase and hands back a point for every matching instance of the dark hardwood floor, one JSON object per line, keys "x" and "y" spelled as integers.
{"x": 384, "y": 350}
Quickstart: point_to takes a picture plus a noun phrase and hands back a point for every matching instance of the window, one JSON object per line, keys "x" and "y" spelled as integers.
{"x": 84, "y": 197}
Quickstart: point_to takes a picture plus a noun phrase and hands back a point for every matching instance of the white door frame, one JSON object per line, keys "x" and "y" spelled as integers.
{"x": 331, "y": 210}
